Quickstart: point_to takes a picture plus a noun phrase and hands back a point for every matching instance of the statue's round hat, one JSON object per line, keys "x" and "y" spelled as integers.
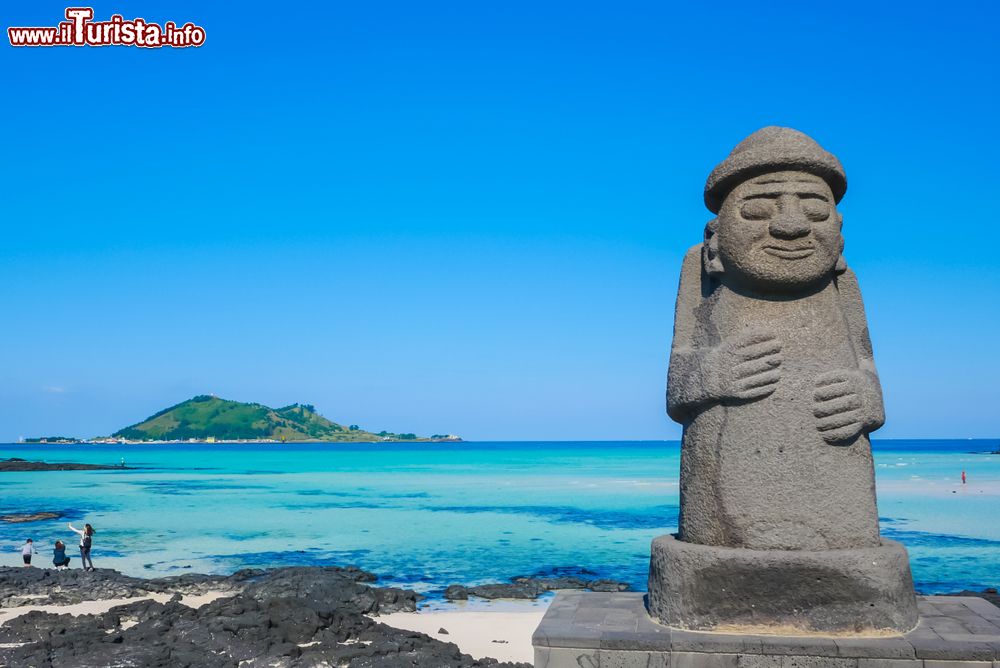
{"x": 773, "y": 149}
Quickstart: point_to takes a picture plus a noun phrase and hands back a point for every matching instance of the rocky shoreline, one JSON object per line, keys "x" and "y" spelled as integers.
{"x": 282, "y": 618}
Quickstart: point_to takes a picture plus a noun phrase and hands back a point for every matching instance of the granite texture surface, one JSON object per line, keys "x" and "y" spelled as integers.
{"x": 605, "y": 630}
{"x": 814, "y": 590}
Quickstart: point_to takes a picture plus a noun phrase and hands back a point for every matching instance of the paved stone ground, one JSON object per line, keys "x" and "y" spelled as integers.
{"x": 613, "y": 630}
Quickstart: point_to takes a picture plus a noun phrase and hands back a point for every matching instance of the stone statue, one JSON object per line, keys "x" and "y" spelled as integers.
{"x": 773, "y": 378}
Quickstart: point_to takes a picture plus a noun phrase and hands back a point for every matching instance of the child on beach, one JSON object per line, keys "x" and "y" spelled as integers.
{"x": 27, "y": 550}
{"x": 59, "y": 558}
{"x": 86, "y": 540}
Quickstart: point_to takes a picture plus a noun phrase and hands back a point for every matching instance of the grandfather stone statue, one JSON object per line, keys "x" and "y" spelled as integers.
{"x": 772, "y": 376}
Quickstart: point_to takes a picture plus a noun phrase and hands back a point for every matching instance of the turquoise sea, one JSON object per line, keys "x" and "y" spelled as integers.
{"x": 428, "y": 515}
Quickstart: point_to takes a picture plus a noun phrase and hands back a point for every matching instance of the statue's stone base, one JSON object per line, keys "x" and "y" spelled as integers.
{"x": 613, "y": 630}
{"x": 855, "y": 590}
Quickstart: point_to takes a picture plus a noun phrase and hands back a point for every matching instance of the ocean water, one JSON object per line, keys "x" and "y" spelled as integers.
{"x": 428, "y": 515}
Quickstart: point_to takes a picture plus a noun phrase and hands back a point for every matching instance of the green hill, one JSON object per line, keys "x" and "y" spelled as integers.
{"x": 207, "y": 417}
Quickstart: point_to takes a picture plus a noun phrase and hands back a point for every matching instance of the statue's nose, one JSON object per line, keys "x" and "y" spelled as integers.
{"x": 790, "y": 223}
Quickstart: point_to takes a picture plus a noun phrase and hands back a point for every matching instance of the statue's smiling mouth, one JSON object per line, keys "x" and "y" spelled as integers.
{"x": 790, "y": 252}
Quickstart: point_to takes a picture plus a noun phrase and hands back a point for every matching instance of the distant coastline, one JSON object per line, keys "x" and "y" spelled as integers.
{"x": 213, "y": 441}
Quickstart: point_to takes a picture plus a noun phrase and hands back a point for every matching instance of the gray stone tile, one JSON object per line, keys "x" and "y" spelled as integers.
{"x": 951, "y": 605}
{"x": 702, "y": 660}
{"x": 620, "y": 620}
{"x": 817, "y": 662}
{"x": 922, "y": 632}
{"x": 875, "y": 648}
{"x": 931, "y": 649}
{"x": 794, "y": 661}
{"x": 565, "y": 657}
{"x": 591, "y": 615}
{"x": 799, "y": 646}
{"x": 642, "y": 640}
{"x": 626, "y": 599}
{"x": 645, "y": 639}
{"x": 946, "y": 625}
{"x": 927, "y": 609}
{"x": 697, "y": 641}
{"x": 630, "y": 659}
{"x": 890, "y": 663}
{"x": 573, "y": 640}
{"x": 586, "y": 621}
{"x": 758, "y": 661}
{"x": 932, "y": 663}
{"x": 981, "y": 626}
{"x": 969, "y": 637}
{"x": 983, "y": 608}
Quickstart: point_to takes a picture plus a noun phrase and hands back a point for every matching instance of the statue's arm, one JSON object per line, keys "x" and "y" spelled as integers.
{"x": 687, "y": 388}
{"x": 741, "y": 367}
{"x": 854, "y": 313}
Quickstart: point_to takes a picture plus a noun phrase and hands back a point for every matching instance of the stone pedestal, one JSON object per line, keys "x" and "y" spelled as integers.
{"x": 850, "y": 590}
{"x": 614, "y": 630}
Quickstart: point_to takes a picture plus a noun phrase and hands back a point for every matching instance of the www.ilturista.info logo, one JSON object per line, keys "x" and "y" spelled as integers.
{"x": 81, "y": 30}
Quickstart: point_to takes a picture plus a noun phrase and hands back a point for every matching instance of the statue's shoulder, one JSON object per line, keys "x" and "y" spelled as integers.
{"x": 847, "y": 279}
{"x": 692, "y": 260}
{"x": 691, "y": 273}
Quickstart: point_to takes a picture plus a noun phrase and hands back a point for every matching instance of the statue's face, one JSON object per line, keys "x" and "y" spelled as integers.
{"x": 779, "y": 232}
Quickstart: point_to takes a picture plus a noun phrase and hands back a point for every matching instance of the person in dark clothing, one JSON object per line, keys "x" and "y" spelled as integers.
{"x": 59, "y": 558}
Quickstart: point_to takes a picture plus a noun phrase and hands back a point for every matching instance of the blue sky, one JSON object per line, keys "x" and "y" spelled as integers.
{"x": 469, "y": 217}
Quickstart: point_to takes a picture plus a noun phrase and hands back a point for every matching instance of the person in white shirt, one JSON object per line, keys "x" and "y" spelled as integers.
{"x": 27, "y": 550}
{"x": 86, "y": 540}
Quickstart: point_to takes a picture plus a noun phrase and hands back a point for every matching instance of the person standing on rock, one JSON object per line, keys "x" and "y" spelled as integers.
{"x": 86, "y": 540}
{"x": 27, "y": 550}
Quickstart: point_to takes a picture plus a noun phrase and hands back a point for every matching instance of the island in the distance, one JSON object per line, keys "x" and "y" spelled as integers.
{"x": 207, "y": 418}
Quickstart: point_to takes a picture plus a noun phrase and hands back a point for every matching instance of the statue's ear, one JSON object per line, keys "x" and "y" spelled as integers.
{"x": 841, "y": 265}
{"x": 710, "y": 249}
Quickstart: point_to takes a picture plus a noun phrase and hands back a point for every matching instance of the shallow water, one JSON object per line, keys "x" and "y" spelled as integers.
{"x": 428, "y": 515}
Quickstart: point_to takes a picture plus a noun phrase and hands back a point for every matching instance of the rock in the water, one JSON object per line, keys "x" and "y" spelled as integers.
{"x": 443, "y": 631}
{"x": 516, "y": 590}
{"x": 15, "y": 464}
{"x": 456, "y": 593}
{"x": 20, "y": 518}
{"x": 531, "y": 587}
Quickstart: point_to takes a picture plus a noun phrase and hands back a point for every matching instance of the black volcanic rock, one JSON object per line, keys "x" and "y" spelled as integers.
{"x": 456, "y": 593}
{"x": 15, "y": 464}
{"x": 286, "y": 617}
{"x": 531, "y": 587}
{"x": 21, "y": 518}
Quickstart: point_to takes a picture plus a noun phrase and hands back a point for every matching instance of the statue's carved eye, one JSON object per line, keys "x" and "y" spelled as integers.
{"x": 815, "y": 210}
{"x": 758, "y": 209}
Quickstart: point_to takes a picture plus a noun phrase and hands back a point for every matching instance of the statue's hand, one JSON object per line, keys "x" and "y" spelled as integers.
{"x": 746, "y": 366}
{"x": 839, "y": 406}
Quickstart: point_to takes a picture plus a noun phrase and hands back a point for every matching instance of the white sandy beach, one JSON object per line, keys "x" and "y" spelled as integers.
{"x": 498, "y": 629}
